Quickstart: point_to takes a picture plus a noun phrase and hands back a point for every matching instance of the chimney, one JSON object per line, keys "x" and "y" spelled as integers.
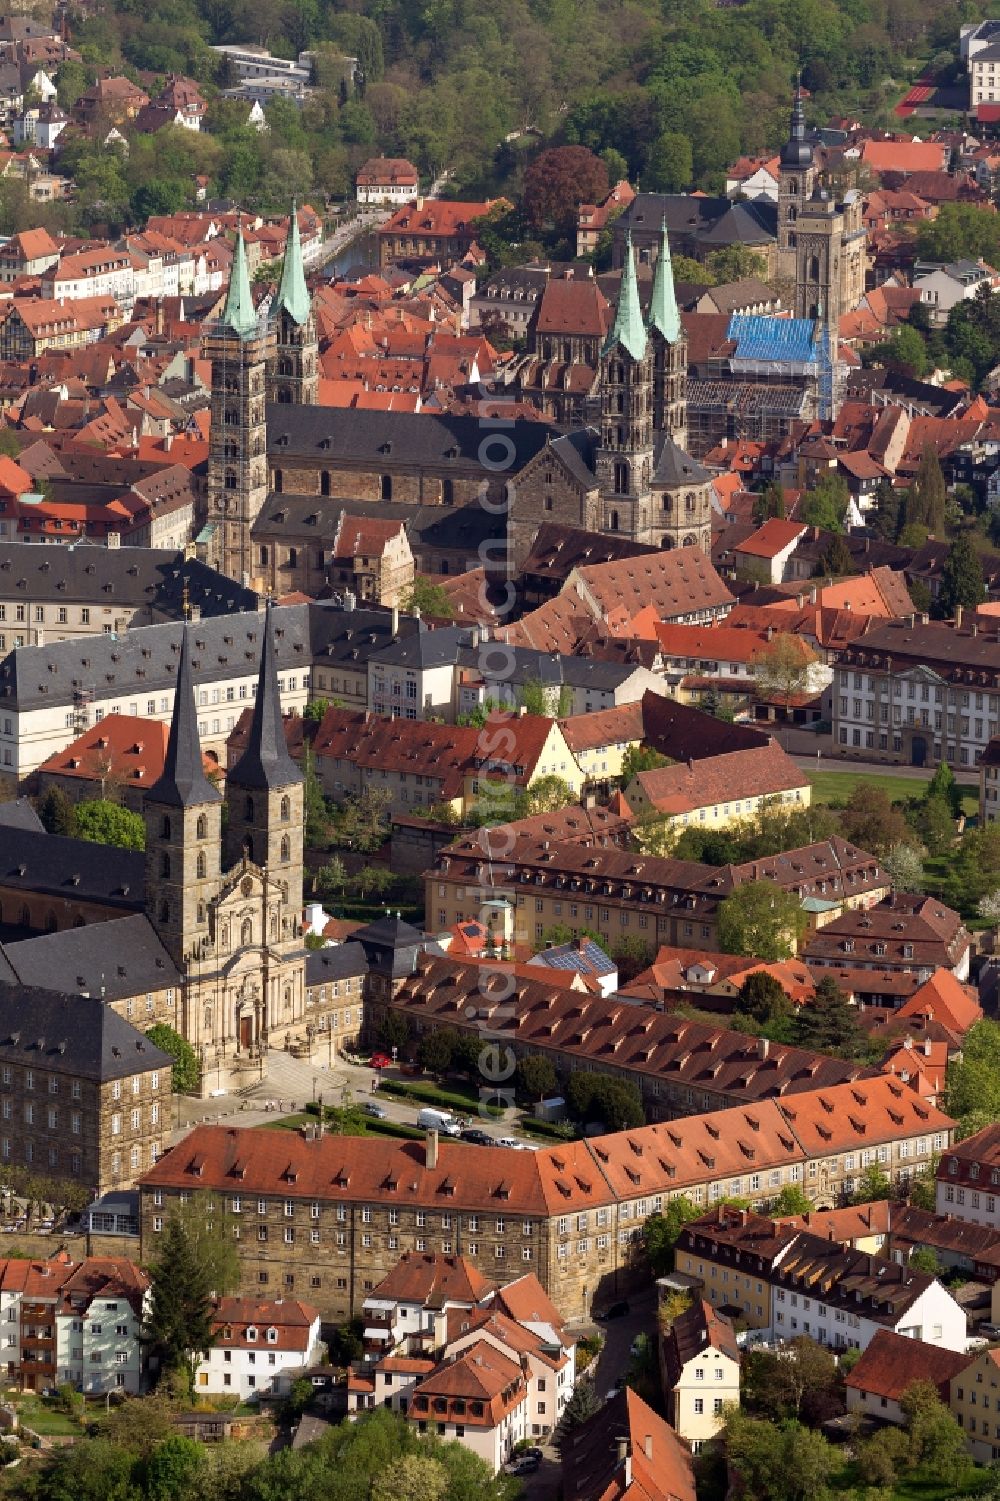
{"x": 648, "y": 1445}
{"x": 420, "y": 201}
{"x": 320, "y": 1128}
{"x": 927, "y": 1047}
{"x": 813, "y": 595}
{"x": 623, "y": 1447}
{"x": 974, "y": 627}
{"x": 431, "y": 1150}
{"x": 395, "y": 621}
{"x": 959, "y": 612}
{"x": 763, "y": 1048}
{"x": 925, "y": 618}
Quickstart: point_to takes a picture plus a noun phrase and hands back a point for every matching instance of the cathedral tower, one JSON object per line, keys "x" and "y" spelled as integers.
{"x": 183, "y": 815}
{"x": 264, "y": 794}
{"x": 624, "y": 459}
{"x": 669, "y": 344}
{"x": 240, "y": 348}
{"x": 293, "y": 374}
{"x": 796, "y": 179}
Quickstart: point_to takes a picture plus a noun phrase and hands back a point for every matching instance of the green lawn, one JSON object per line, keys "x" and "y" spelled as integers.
{"x": 462, "y": 1099}
{"x": 46, "y": 1419}
{"x": 837, "y": 786}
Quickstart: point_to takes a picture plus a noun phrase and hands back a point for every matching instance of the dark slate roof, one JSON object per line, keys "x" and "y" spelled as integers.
{"x": 183, "y": 783}
{"x": 712, "y": 221}
{"x": 117, "y": 959}
{"x": 265, "y": 763}
{"x": 523, "y": 664}
{"x": 19, "y": 814}
{"x": 675, "y": 468}
{"x": 424, "y": 648}
{"x": 138, "y": 576}
{"x": 55, "y": 866}
{"x": 343, "y": 961}
{"x": 558, "y": 549}
{"x": 391, "y": 945}
{"x": 348, "y": 638}
{"x": 444, "y": 528}
{"x": 144, "y": 661}
{"x": 383, "y": 439}
{"x": 578, "y": 451}
{"x": 72, "y": 1034}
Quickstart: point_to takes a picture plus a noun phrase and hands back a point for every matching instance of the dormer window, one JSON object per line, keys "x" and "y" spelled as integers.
{"x": 272, "y": 1336}
{"x": 251, "y": 1335}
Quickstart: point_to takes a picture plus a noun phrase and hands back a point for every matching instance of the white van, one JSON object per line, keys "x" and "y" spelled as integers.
{"x": 439, "y": 1120}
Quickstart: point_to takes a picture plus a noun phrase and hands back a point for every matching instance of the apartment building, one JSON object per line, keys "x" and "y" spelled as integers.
{"x": 892, "y": 1363}
{"x": 908, "y": 932}
{"x": 701, "y": 1365}
{"x": 614, "y": 892}
{"x": 968, "y": 1179}
{"x": 975, "y": 1401}
{"x": 918, "y": 692}
{"x": 259, "y": 1348}
{"x": 701, "y": 792}
{"x": 989, "y": 781}
{"x": 791, "y": 1283}
{"x": 328, "y": 1218}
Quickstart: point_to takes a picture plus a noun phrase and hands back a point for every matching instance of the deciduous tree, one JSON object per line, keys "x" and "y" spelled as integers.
{"x": 761, "y": 920}
{"x": 100, "y": 822}
{"x": 558, "y": 180}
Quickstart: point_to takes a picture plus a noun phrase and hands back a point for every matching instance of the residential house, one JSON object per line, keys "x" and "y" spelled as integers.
{"x": 100, "y": 1319}
{"x": 707, "y": 793}
{"x": 765, "y": 554}
{"x": 892, "y": 1363}
{"x": 906, "y": 932}
{"x": 626, "y": 1452}
{"x": 115, "y": 760}
{"x": 945, "y": 287}
{"x": 28, "y": 253}
{"x": 975, "y": 1402}
{"x": 431, "y": 229}
{"x": 600, "y": 741}
{"x": 792, "y": 1282}
{"x": 701, "y": 1364}
{"x": 968, "y": 1179}
{"x": 259, "y": 1348}
{"x": 371, "y": 558}
{"x": 386, "y": 180}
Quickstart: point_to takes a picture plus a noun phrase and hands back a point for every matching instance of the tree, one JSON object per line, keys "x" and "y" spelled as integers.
{"x": 436, "y": 1049}
{"x": 835, "y": 560}
{"x": 558, "y": 180}
{"x": 871, "y": 1186}
{"x": 942, "y": 784}
{"x": 427, "y": 596}
{"x": 937, "y": 1442}
{"x": 927, "y": 496}
{"x": 961, "y": 578}
{"x": 209, "y": 1227}
{"x": 615, "y": 1103}
{"x": 827, "y": 1023}
{"x": 93, "y": 1471}
{"x": 583, "y": 1404}
{"x": 885, "y": 518}
{"x": 905, "y": 867}
{"x": 660, "y": 1232}
{"x": 781, "y": 668}
{"x": 109, "y": 823}
{"x": 174, "y": 1468}
{"x": 904, "y": 350}
{"x": 315, "y": 709}
{"x": 536, "y": 1077}
{"x": 736, "y": 263}
{"x": 872, "y": 822}
{"x": 364, "y": 819}
{"x": 640, "y": 758}
{"x": 761, "y": 920}
{"x": 394, "y": 1031}
{"x": 925, "y": 1259}
{"x": 186, "y": 1069}
{"x": 179, "y": 1324}
{"x": 882, "y": 1458}
{"x": 825, "y": 505}
{"x": 547, "y": 795}
{"x": 413, "y": 1477}
{"x": 763, "y": 997}
{"x": 769, "y": 503}
{"x": 57, "y": 813}
{"x": 331, "y": 878}
{"x": 372, "y": 880}
{"x": 801, "y": 1382}
{"x": 936, "y": 824}
{"x": 791, "y": 1200}
{"x": 786, "y": 1463}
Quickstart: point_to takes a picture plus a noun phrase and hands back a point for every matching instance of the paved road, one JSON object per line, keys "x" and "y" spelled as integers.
{"x": 862, "y": 768}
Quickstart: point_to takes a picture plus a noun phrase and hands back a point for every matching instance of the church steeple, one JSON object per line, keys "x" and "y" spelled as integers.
{"x": 628, "y": 329}
{"x": 183, "y": 783}
{"x": 293, "y": 294}
{"x": 238, "y": 313}
{"x": 265, "y": 763}
{"x": 663, "y": 313}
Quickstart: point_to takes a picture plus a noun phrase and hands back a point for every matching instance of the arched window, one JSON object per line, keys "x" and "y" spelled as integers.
{"x": 667, "y": 543}
{"x": 814, "y": 268}
{"x": 324, "y": 482}
{"x": 201, "y": 912}
{"x": 614, "y": 521}
{"x": 263, "y": 555}
{"x": 201, "y": 867}
{"x": 225, "y": 937}
{"x": 231, "y": 449}
{"x": 689, "y": 503}
{"x": 621, "y": 477}
{"x": 286, "y": 848}
{"x": 293, "y": 557}
{"x": 690, "y": 541}
{"x": 246, "y": 932}
{"x": 248, "y": 810}
{"x": 618, "y": 372}
{"x": 231, "y": 481}
{"x": 288, "y": 998}
{"x": 201, "y": 827}
{"x": 447, "y": 492}
{"x": 284, "y": 396}
{"x": 164, "y": 911}
{"x": 164, "y": 866}
{"x": 285, "y": 366}
{"x": 274, "y": 926}
{"x": 208, "y": 1019}
{"x": 165, "y": 827}
{"x": 385, "y": 487}
{"x": 286, "y": 809}
{"x": 668, "y": 503}
{"x": 277, "y": 481}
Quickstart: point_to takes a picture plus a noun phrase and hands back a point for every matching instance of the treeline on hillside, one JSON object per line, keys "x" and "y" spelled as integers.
{"x": 667, "y": 94}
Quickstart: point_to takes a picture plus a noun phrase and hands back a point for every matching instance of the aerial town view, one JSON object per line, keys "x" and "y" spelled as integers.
{"x": 500, "y": 750}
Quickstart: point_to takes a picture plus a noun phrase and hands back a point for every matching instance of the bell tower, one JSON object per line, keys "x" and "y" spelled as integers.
{"x": 796, "y": 179}
{"x": 293, "y": 373}
{"x": 624, "y": 460}
{"x": 669, "y": 344}
{"x": 239, "y": 346}
{"x": 264, "y": 794}
{"x": 183, "y": 815}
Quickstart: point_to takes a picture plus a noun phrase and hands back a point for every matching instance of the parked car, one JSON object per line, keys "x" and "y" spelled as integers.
{"x": 477, "y": 1136}
{"x": 522, "y": 1464}
{"x": 616, "y": 1311}
{"x": 507, "y": 1141}
{"x": 371, "y": 1107}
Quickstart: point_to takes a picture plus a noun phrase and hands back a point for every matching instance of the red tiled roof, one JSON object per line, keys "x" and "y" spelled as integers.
{"x": 772, "y": 538}
{"x": 893, "y": 1362}
{"x": 765, "y": 771}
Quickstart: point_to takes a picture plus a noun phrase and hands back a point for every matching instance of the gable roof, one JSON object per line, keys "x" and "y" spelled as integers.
{"x": 893, "y": 1362}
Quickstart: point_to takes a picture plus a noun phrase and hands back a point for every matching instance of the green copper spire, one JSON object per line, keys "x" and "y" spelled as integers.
{"x": 293, "y": 294}
{"x": 238, "y": 313}
{"x": 628, "y": 330}
{"x": 663, "y": 314}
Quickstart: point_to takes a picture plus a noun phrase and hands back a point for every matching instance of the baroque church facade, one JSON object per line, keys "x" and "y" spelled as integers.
{"x": 226, "y": 903}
